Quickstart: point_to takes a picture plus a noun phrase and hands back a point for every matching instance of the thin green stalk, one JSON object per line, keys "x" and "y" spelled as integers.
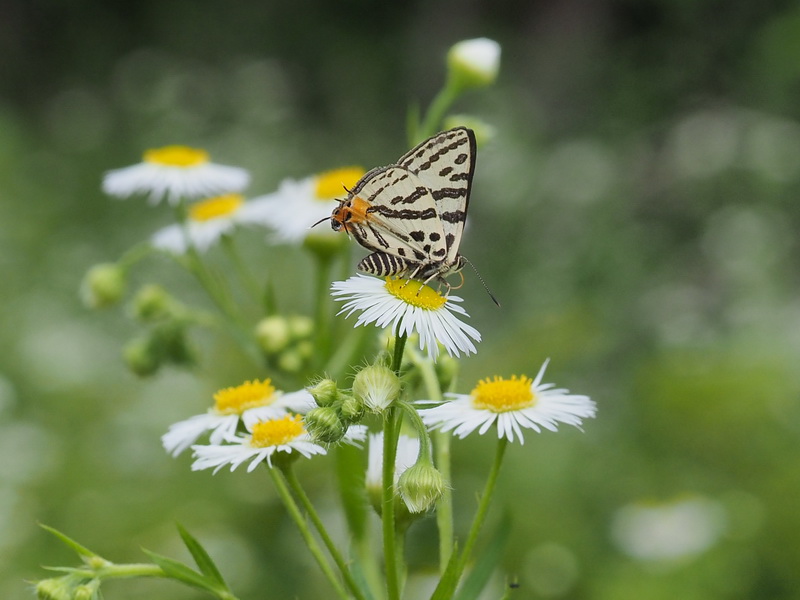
{"x": 294, "y": 484}
{"x": 322, "y": 312}
{"x": 436, "y": 111}
{"x": 313, "y": 546}
{"x": 391, "y": 427}
{"x": 134, "y": 255}
{"x": 483, "y": 507}
{"x": 397, "y": 357}
{"x": 242, "y": 270}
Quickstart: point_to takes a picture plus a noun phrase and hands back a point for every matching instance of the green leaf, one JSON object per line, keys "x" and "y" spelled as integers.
{"x": 486, "y": 564}
{"x": 82, "y": 551}
{"x": 449, "y": 580}
{"x": 174, "y": 569}
{"x": 201, "y": 557}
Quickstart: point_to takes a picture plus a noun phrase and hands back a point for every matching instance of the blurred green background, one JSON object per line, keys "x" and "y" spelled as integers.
{"x": 635, "y": 213}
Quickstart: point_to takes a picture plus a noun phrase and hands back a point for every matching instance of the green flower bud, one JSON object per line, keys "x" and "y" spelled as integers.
{"x": 103, "y": 285}
{"x": 290, "y": 361}
{"x": 170, "y": 338}
{"x": 325, "y": 392}
{"x": 421, "y": 486}
{"x": 152, "y": 302}
{"x": 142, "y": 357}
{"x": 305, "y": 349}
{"x": 273, "y": 334}
{"x": 473, "y": 63}
{"x": 377, "y": 387}
{"x": 300, "y": 327}
{"x": 87, "y": 591}
{"x": 325, "y": 244}
{"x": 351, "y": 409}
{"x": 57, "y": 588}
{"x": 482, "y": 130}
{"x": 324, "y": 425}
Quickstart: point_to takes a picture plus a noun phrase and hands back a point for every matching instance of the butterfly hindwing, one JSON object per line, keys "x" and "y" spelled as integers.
{"x": 446, "y": 163}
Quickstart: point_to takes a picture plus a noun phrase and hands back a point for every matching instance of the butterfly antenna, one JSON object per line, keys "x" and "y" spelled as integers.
{"x": 486, "y": 287}
{"x": 323, "y": 219}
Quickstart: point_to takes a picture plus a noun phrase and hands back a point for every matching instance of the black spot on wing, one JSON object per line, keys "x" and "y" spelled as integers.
{"x": 417, "y": 236}
{"x": 434, "y": 237}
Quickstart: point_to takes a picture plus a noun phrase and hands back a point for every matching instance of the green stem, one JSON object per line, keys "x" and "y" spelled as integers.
{"x": 113, "y": 571}
{"x": 322, "y": 312}
{"x": 134, "y": 255}
{"x": 242, "y": 270}
{"x": 313, "y": 546}
{"x": 391, "y": 427}
{"x": 294, "y": 484}
{"x": 397, "y": 357}
{"x": 436, "y": 111}
{"x": 483, "y": 507}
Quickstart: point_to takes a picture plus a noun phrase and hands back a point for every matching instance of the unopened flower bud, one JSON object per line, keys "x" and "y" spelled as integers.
{"x": 56, "y": 588}
{"x": 152, "y": 303}
{"x": 103, "y": 285}
{"x": 377, "y": 387}
{"x": 351, "y": 408}
{"x": 142, "y": 357}
{"x": 300, "y": 327}
{"x": 324, "y": 243}
{"x": 87, "y": 591}
{"x": 325, "y": 392}
{"x": 421, "y": 486}
{"x": 474, "y": 63}
{"x": 324, "y": 425}
{"x": 273, "y": 334}
{"x": 290, "y": 361}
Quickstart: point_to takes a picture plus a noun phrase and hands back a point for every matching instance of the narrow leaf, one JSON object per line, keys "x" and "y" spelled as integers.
{"x": 486, "y": 564}
{"x": 180, "y": 572}
{"x": 81, "y": 550}
{"x": 449, "y": 580}
{"x": 202, "y": 558}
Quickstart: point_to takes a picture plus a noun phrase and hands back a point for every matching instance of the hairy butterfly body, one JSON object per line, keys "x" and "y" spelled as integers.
{"x": 411, "y": 214}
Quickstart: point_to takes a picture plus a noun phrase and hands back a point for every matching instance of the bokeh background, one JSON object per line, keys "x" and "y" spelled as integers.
{"x": 636, "y": 213}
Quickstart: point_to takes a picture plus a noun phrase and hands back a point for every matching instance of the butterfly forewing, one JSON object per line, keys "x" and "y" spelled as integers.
{"x": 393, "y": 211}
{"x": 445, "y": 163}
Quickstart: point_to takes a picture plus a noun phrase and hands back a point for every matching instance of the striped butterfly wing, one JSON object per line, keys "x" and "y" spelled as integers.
{"x": 446, "y": 163}
{"x": 393, "y": 211}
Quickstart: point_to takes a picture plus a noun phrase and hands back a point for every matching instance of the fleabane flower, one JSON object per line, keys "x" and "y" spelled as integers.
{"x": 175, "y": 173}
{"x": 249, "y": 403}
{"x": 474, "y": 63}
{"x": 408, "y": 306}
{"x": 513, "y": 405}
{"x": 206, "y": 222}
{"x": 264, "y": 439}
{"x": 299, "y": 203}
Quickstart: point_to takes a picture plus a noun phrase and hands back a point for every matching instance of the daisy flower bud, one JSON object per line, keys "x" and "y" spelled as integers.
{"x": 87, "y": 591}
{"x": 421, "y": 486}
{"x": 103, "y": 285}
{"x": 377, "y": 387}
{"x": 57, "y": 588}
{"x": 352, "y": 409}
{"x": 324, "y": 425}
{"x": 152, "y": 303}
{"x": 273, "y": 334}
{"x": 325, "y": 392}
{"x": 300, "y": 327}
{"x": 142, "y": 357}
{"x": 290, "y": 361}
{"x": 474, "y": 63}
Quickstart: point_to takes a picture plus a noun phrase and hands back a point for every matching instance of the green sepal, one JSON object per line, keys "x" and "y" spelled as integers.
{"x": 201, "y": 557}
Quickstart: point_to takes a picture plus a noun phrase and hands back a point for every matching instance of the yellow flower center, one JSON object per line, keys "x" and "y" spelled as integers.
{"x": 214, "y": 208}
{"x": 503, "y": 395}
{"x": 332, "y": 184}
{"x": 415, "y": 293}
{"x": 176, "y": 156}
{"x": 236, "y": 400}
{"x": 276, "y": 431}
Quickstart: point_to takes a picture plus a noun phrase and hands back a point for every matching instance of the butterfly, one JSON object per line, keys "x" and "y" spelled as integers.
{"x": 411, "y": 214}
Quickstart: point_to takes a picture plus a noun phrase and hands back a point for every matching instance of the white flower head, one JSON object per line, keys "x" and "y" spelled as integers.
{"x": 249, "y": 402}
{"x": 513, "y": 404}
{"x": 175, "y": 173}
{"x": 264, "y": 439}
{"x": 409, "y": 307}
{"x": 298, "y": 204}
{"x": 206, "y": 222}
{"x": 475, "y": 62}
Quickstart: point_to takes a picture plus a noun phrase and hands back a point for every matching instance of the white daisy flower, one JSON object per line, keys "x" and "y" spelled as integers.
{"x": 249, "y": 402}
{"x": 206, "y": 222}
{"x": 513, "y": 404}
{"x": 409, "y": 307}
{"x": 175, "y": 172}
{"x": 298, "y": 204}
{"x": 264, "y": 439}
{"x": 284, "y": 434}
